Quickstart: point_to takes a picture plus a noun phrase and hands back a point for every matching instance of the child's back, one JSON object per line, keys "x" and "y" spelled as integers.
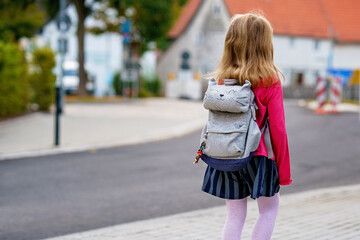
{"x": 248, "y": 55}
{"x": 269, "y": 100}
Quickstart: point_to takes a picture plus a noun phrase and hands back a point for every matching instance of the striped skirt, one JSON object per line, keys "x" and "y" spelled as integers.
{"x": 258, "y": 178}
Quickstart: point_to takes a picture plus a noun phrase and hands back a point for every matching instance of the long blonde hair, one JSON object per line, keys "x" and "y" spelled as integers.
{"x": 248, "y": 52}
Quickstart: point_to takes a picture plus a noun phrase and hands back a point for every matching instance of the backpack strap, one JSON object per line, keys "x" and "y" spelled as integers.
{"x": 253, "y": 106}
{"x": 265, "y": 129}
{"x": 267, "y": 138}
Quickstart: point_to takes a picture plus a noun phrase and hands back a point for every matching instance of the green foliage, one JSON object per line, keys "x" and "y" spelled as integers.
{"x": 143, "y": 93}
{"x": 19, "y": 19}
{"x": 152, "y": 86}
{"x": 182, "y": 2}
{"x": 152, "y": 19}
{"x": 117, "y": 84}
{"x": 51, "y": 7}
{"x": 148, "y": 87}
{"x": 42, "y": 78}
{"x": 14, "y": 87}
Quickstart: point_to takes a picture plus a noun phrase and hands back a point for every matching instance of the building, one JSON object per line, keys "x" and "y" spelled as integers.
{"x": 310, "y": 36}
{"x": 103, "y": 53}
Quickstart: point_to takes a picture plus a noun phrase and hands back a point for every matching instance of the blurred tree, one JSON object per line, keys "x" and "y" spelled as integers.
{"x": 42, "y": 79}
{"x": 83, "y": 9}
{"x": 14, "y": 84}
{"x": 19, "y": 18}
{"x": 51, "y": 7}
{"x": 151, "y": 19}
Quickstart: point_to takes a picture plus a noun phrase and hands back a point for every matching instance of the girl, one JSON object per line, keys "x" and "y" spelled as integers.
{"x": 248, "y": 55}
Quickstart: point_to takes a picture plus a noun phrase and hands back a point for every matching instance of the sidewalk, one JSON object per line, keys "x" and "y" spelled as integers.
{"x": 87, "y": 126}
{"x": 331, "y": 213}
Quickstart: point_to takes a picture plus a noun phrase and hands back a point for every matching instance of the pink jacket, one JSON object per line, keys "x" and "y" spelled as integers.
{"x": 270, "y": 100}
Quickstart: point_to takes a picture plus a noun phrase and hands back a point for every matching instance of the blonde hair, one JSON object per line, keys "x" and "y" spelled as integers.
{"x": 248, "y": 52}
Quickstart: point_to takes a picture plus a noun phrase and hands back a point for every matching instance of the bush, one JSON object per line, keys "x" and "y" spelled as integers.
{"x": 153, "y": 86}
{"x": 42, "y": 78}
{"x": 143, "y": 93}
{"x": 14, "y": 86}
{"x": 148, "y": 87}
{"x": 117, "y": 84}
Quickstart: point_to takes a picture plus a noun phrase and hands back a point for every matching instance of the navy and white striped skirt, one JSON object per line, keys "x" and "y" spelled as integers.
{"x": 258, "y": 178}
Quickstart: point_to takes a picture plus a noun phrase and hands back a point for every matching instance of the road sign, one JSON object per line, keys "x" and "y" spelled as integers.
{"x": 126, "y": 31}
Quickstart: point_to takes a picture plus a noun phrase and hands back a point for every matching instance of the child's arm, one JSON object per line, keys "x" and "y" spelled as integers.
{"x": 278, "y": 134}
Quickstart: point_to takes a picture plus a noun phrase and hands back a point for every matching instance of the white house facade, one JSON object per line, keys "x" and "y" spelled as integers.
{"x": 301, "y": 59}
{"x": 103, "y": 53}
{"x": 304, "y": 47}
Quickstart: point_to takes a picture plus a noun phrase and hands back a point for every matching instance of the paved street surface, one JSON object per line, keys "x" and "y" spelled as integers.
{"x": 55, "y": 195}
{"x": 87, "y": 126}
{"x": 331, "y": 213}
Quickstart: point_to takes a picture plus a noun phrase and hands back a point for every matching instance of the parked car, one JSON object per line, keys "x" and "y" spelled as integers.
{"x": 71, "y": 78}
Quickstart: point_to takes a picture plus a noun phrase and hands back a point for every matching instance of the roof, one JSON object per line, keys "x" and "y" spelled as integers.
{"x": 309, "y": 18}
{"x": 345, "y": 19}
{"x": 288, "y": 17}
{"x": 187, "y": 13}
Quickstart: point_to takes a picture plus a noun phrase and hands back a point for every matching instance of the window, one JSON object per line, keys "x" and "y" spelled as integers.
{"x": 316, "y": 44}
{"x": 62, "y": 45}
{"x": 292, "y": 42}
{"x": 300, "y": 79}
{"x": 217, "y": 8}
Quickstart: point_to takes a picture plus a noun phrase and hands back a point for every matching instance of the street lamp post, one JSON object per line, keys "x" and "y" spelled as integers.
{"x": 63, "y": 26}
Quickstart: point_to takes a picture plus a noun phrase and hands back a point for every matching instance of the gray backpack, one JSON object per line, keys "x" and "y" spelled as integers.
{"x": 231, "y": 135}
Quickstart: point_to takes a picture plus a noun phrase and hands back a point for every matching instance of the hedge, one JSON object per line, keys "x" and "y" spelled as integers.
{"x": 42, "y": 78}
{"x": 14, "y": 85}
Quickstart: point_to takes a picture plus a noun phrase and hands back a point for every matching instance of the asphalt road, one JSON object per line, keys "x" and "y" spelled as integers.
{"x": 56, "y": 195}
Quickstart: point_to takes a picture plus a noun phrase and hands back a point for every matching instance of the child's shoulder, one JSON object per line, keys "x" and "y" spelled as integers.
{"x": 267, "y": 90}
{"x": 269, "y": 83}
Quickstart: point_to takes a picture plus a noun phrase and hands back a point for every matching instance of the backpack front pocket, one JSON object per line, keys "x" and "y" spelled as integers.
{"x": 225, "y": 144}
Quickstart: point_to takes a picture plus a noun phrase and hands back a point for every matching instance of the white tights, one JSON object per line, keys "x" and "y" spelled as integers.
{"x": 236, "y": 215}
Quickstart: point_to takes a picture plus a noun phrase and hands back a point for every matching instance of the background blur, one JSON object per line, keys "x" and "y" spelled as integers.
{"x": 101, "y": 108}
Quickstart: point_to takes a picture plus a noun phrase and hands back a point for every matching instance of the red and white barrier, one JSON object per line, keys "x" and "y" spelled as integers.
{"x": 336, "y": 92}
{"x": 320, "y": 94}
